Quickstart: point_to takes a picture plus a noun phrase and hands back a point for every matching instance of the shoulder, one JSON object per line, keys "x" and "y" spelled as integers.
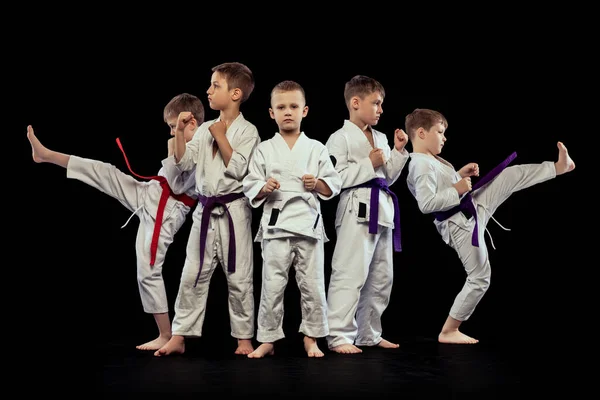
{"x": 249, "y": 128}
{"x": 420, "y": 164}
{"x": 264, "y": 144}
{"x": 315, "y": 144}
{"x": 339, "y": 132}
{"x": 337, "y": 135}
{"x": 378, "y": 133}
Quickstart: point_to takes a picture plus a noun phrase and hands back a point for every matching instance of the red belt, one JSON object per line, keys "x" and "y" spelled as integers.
{"x": 166, "y": 192}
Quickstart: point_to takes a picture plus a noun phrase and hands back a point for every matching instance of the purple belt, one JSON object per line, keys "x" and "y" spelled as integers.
{"x": 209, "y": 204}
{"x": 375, "y": 185}
{"x": 466, "y": 203}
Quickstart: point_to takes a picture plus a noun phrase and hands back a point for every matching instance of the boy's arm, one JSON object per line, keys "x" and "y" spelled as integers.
{"x": 429, "y": 199}
{"x": 242, "y": 152}
{"x": 173, "y": 175}
{"x": 328, "y": 177}
{"x": 177, "y": 179}
{"x": 187, "y": 158}
{"x": 183, "y": 120}
{"x": 396, "y": 158}
{"x": 351, "y": 173}
{"x": 256, "y": 178}
{"x": 394, "y": 165}
{"x": 218, "y": 130}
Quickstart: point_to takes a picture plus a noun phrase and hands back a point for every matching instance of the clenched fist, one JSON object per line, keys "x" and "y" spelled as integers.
{"x": 463, "y": 186}
{"x": 471, "y": 169}
{"x": 270, "y": 186}
{"x": 377, "y": 158}
{"x": 400, "y": 139}
{"x": 310, "y": 182}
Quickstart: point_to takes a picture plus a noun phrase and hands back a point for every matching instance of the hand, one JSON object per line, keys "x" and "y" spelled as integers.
{"x": 463, "y": 186}
{"x": 183, "y": 120}
{"x": 377, "y": 158}
{"x": 219, "y": 128}
{"x": 471, "y": 169}
{"x": 310, "y": 182}
{"x": 270, "y": 186}
{"x": 400, "y": 139}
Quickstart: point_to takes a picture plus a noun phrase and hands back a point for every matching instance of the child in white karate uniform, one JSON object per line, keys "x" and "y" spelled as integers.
{"x": 221, "y": 224}
{"x": 288, "y": 174}
{"x": 462, "y": 210}
{"x": 161, "y": 204}
{"x": 367, "y": 221}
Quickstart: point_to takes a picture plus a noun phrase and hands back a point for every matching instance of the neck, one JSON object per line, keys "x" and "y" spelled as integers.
{"x": 229, "y": 115}
{"x": 289, "y": 133}
{"x": 360, "y": 123}
{"x": 422, "y": 150}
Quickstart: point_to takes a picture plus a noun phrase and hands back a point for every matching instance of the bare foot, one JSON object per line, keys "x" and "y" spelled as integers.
{"x": 386, "y": 344}
{"x": 244, "y": 346}
{"x": 311, "y": 347}
{"x": 456, "y": 337}
{"x": 175, "y": 345}
{"x": 154, "y": 344}
{"x": 265, "y": 349}
{"x": 565, "y": 163}
{"x": 39, "y": 152}
{"x": 346, "y": 349}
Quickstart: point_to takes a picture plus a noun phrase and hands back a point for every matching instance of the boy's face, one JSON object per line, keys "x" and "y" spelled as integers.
{"x": 219, "y": 95}
{"x": 434, "y": 138}
{"x": 369, "y": 109}
{"x": 287, "y": 109}
{"x": 189, "y": 131}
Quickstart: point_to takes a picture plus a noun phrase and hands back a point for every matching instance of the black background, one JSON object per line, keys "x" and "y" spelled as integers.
{"x": 76, "y": 276}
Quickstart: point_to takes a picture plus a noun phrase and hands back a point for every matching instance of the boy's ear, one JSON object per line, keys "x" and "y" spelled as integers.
{"x": 237, "y": 94}
{"x": 421, "y": 133}
{"x": 355, "y": 102}
{"x": 271, "y": 113}
{"x": 305, "y": 111}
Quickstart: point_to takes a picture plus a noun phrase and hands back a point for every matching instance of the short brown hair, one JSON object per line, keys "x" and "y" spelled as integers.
{"x": 361, "y": 86}
{"x": 184, "y": 102}
{"x": 288, "y": 86}
{"x": 423, "y": 118}
{"x": 237, "y": 75}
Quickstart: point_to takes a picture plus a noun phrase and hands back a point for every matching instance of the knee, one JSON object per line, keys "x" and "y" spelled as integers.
{"x": 481, "y": 283}
{"x": 274, "y": 284}
{"x": 146, "y": 277}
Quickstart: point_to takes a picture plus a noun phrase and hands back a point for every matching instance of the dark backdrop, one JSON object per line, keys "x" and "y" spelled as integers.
{"x": 79, "y": 278}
